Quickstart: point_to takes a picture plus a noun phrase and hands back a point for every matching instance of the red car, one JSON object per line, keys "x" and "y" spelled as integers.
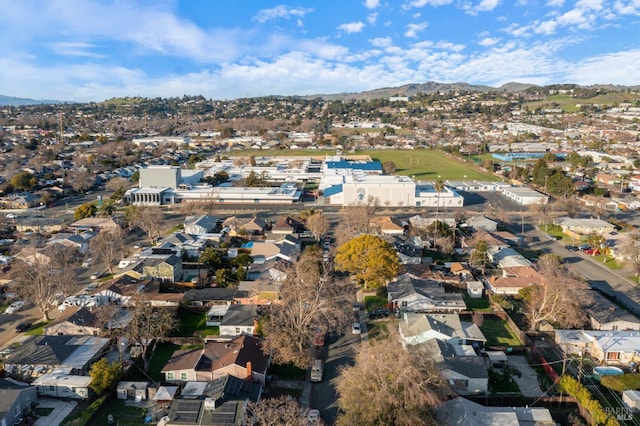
{"x": 592, "y": 251}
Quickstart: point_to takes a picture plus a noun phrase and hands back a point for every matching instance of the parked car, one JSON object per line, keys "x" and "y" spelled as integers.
{"x": 22, "y": 327}
{"x": 572, "y": 248}
{"x": 379, "y": 313}
{"x": 313, "y": 417}
{"x": 15, "y": 307}
{"x": 356, "y": 307}
{"x": 592, "y": 251}
{"x": 87, "y": 263}
{"x": 584, "y": 246}
{"x": 90, "y": 287}
{"x": 96, "y": 275}
{"x": 355, "y": 328}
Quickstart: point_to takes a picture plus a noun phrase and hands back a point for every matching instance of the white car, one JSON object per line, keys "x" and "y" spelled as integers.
{"x": 12, "y": 216}
{"x": 313, "y": 417}
{"x": 355, "y": 328}
{"x": 15, "y": 307}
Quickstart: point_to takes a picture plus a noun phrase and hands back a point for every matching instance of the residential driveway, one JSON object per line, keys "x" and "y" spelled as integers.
{"x": 61, "y": 409}
{"x": 528, "y": 383}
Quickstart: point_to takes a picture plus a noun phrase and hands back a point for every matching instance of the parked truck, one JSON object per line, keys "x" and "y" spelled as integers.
{"x": 317, "y": 370}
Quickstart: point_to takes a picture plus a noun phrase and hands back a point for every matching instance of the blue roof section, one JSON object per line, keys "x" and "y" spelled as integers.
{"x": 333, "y": 190}
{"x": 355, "y": 165}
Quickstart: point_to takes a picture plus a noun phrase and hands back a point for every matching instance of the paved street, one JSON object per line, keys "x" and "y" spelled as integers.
{"x": 338, "y": 353}
{"x": 599, "y": 276}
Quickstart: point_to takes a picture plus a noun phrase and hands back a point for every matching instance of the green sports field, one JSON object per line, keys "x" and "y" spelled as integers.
{"x": 421, "y": 164}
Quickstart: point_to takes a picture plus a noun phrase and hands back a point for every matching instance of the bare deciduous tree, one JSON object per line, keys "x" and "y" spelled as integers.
{"x": 148, "y": 324}
{"x": 148, "y": 219}
{"x": 277, "y": 411}
{"x": 318, "y": 224}
{"x": 46, "y": 273}
{"x": 560, "y": 298}
{"x": 388, "y": 385}
{"x": 311, "y": 298}
{"x": 631, "y": 250}
{"x": 108, "y": 246}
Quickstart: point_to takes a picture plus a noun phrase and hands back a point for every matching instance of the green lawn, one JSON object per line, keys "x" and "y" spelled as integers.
{"x": 122, "y": 414}
{"x": 500, "y": 381}
{"x": 83, "y": 411}
{"x": 37, "y": 329}
{"x": 481, "y": 304}
{"x": 162, "y": 354}
{"x": 421, "y": 163}
{"x": 193, "y": 322}
{"x": 374, "y": 302}
{"x": 287, "y": 371}
{"x": 498, "y": 332}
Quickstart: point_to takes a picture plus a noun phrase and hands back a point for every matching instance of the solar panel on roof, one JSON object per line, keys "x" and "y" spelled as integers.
{"x": 223, "y": 418}
{"x": 234, "y": 387}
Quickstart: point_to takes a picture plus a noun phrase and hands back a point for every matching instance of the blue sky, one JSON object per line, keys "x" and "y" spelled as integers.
{"x": 91, "y": 50}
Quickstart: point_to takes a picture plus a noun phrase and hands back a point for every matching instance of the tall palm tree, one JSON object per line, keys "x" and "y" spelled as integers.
{"x": 438, "y": 185}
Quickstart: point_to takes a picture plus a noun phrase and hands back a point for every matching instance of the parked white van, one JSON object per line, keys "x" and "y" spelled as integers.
{"x": 317, "y": 370}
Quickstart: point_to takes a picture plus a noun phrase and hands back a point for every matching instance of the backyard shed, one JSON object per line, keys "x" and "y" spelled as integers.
{"x": 133, "y": 390}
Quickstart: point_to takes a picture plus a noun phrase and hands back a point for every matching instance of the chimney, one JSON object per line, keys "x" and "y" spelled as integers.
{"x": 249, "y": 370}
{"x": 255, "y": 326}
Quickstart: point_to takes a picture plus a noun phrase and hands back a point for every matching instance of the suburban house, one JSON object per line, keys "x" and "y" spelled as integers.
{"x": 61, "y": 385}
{"x": 166, "y": 267}
{"x": 239, "y": 319}
{"x": 39, "y": 355}
{"x": 16, "y": 400}
{"x": 466, "y": 375}
{"x": 95, "y": 224}
{"x": 285, "y": 225}
{"x": 606, "y": 346}
{"x": 514, "y": 279}
{"x": 578, "y": 227}
{"x": 287, "y": 249}
{"x": 507, "y": 257}
{"x": 419, "y": 328}
{"x": 605, "y": 315}
{"x": 475, "y": 289}
{"x": 83, "y": 322}
{"x": 241, "y": 357}
{"x": 190, "y": 244}
{"x": 261, "y": 292}
{"x": 79, "y": 241}
{"x": 409, "y": 293}
{"x": 238, "y": 226}
{"x": 385, "y": 225}
{"x": 482, "y": 223}
{"x": 220, "y": 402}
{"x": 200, "y": 225}
{"x": 461, "y": 411}
{"x": 209, "y": 296}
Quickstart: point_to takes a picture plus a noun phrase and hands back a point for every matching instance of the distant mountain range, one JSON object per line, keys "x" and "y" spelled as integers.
{"x": 13, "y": 101}
{"x": 426, "y": 88}
{"x": 382, "y": 93}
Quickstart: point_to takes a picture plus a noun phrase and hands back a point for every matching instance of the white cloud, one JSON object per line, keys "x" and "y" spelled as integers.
{"x": 381, "y": 41}
{"x": 422, "y": 3}
{"x": 351, "y": 27}
{"x": 75, "y": 48}
{"x": 555, "y": 3}
{"x": 483, "y": 6}
{"x": 413, "y": 29}
{"x": 371, "y": 4}
{"x": 372, "y": 18}
{"x": 589, "y": 4}
{"x": 488, "y": 41}
{"x": 614, "y": 68}
{"x": 631, "y": 8}
{"x": 280, "y": 11}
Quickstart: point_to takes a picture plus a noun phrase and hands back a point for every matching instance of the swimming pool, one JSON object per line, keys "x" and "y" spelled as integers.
{"x": 607, "y": 371}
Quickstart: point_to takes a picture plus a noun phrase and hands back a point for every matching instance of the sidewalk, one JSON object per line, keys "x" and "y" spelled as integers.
{"x": 61, "y": 409}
